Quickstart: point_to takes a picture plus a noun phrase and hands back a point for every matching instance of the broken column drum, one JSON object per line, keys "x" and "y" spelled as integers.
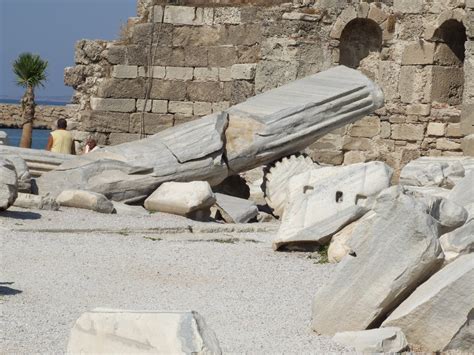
{"x": 258, "y": 131}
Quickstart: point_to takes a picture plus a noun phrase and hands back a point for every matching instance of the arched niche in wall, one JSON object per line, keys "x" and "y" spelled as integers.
{"x": 359, "y": 38}
{"x": 448, "y": 72}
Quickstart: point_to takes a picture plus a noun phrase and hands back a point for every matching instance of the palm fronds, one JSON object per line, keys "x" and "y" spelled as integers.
{"x": 30, "y": 70}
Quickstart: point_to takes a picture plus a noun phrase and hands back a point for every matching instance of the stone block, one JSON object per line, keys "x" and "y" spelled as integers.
{"x": 202, "y": 108}
{"x": 330, "y": 141}
{"x": 119, "y": 138}
{"x": 243, "y": 71}
{"x": 227, "y": 15}
{"x": 385, "y": 130}
{"x": 179, "y": 73}
{"x": 454, "y": 130}
{"x": 141, "y": 105}
{"x": 408, "y": 6}
{"x": 409, "y": 132}
{"x": 364, "y": 144}
{"x": 206, "y": 91}
{"x": 159, "y": 106}
{"x": 377, "y": 14}
{"x": 114, "y": 105}
{"x": 122, "y": 88}
{"x": 168, "y": 90}
{"x": 158, "y": 13}
{"x": 86, "y": 200}
{"x": 467, "y": 118}
{"x": 136, "y": 55}
{"x": 271, "y": 74}
{"x": 445, "y": 56}
{"x": 248, "y": 54}
{"x": 103, "y": 121}
{"x": 419, "y": 109}
{"x": 225, "y": 74}
{"x": 354, "y": 157}
{"x": 467, "y": 145}
{"x": 247, "y": 35}
{"x": 157, "y": 72}
{"x": 223, "y": 56}
{"x": 436, "y": 129}
{"x": 470, "y": 4}
{"x": 168, "y": 56}
{"x": 220, "y": 106}
{"x": 183, "y": 15}
{"x": 447, "y": 144}
{"x": 447, "y": 84}
{"x": 327, "y": 156}
{"x": 367, "y": 127}
{"x": 389, "y": 75}
{"x": 412, "y": 84}
{"x": 199, "y": 36}
{"x": 181, "y": 107}
{"x": 240, "y": 91}
{"x": 419, "y": 53}
{"x": 116, "y": 54}
{"x": 206, "y": 74}
{"x": 152, "y": 123}
{"x": 195, "y": 56}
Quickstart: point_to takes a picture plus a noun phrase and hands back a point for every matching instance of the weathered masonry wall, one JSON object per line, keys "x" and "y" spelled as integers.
{"x": 177, "y": 63}
{"x": 45, "y": 116}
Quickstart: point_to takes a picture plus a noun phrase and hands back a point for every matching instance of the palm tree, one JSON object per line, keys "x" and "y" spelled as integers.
{"x": 30, "y": 71}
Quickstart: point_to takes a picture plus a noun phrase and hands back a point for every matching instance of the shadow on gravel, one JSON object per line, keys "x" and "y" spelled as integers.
{"x": 8, "y": 291}
{"x": 20, "y": 215}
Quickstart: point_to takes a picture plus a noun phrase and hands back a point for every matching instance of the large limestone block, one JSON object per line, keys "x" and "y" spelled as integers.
{"x": 392, "y": 254}
{"x": 181, "y": 198}
{"x": 463, "y": 192}
{"x": 37, "y": 202}
{"x": 427, "y": 171}
{"x": 458, "y": 242}
{"x": 432, "y": 315}
{"x": 8, "y": 184}
{"x": 322, "y": 201}
{"x": 383, "y": 340}
{"x": 85, "y": 199}
{"x": 104, "y": 331}
{"x": 234, "y": 209}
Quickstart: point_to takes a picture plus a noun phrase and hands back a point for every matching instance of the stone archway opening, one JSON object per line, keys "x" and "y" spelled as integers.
{"x": 359, "y": 39}
{"x": 448, "y": 71}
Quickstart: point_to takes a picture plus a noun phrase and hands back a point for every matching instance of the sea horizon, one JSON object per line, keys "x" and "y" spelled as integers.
{"x": 47, "y": 102}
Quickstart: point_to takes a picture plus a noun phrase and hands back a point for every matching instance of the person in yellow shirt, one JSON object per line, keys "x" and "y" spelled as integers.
{"x": 60, "y": 140}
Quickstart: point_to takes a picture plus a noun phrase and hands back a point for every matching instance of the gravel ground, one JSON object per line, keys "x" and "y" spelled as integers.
{"x": 57, "y": 265}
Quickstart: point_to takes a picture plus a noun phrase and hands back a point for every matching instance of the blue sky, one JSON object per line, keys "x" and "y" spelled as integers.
{"x": 51, "y": 28}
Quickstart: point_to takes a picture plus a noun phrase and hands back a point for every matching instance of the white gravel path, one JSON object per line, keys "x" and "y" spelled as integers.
{"x": 256, "y": 300}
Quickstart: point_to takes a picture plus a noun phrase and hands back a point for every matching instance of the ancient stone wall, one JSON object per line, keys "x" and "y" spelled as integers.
{"x": 45, "y": 116}
{"x": 178, "y": 62}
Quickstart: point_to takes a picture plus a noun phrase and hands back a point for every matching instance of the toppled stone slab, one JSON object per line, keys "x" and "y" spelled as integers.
{"x": 434, "y": 171}
{"x": 458, "y": 242}
{"x": 383, "y": 340}
{"x": 436, "y": 311}
{"x": 463, "y": 192}
{"x": 235, "y": 210}
{"x": 322, "y": 201}
{"x": 393, "y": 253}
{"x": 181, "y": 198}
{"x": 36, "y": 202}
{"x": 104, "y": 331}
{"x": 8, "y": 184}
{"x": 463, "y": 340}
{"x": 85, "y": 199}
{"x": 258, "y": 131}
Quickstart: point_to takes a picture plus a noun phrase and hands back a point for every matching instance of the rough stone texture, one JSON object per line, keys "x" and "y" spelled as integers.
{"x": 383, "y": 340}
{"x": 85, "y": 199}
{"x": 234, "y": 209}
{"x": 26, "y": 200}
{"x": 141, "y": 332}
{"x": 464, "y": 338}
{"x": 181, "y": 198}
{"x": 22, "y": 172}
{"x": 45, "y": 116}
{"x": 447, "y": 295}
{"x": 458, "y": 242}
{"x": 114, "y": 105}
{"x": 463, "y": 191}
{"x": 322, "y": 201}
{"x": 368, "y": 285}
{"x": 8, "y": 184}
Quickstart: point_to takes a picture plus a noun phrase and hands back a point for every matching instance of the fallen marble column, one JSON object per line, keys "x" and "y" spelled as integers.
{"x": 258, "y": 131}
{"x": 38, "y": 161}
